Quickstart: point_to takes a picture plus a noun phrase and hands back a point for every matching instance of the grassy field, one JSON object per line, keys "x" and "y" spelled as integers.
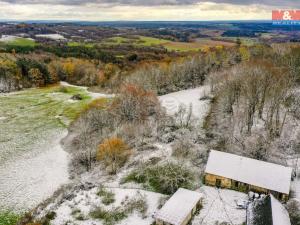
{"x": 213, "y": 43}
{"x": 7, "y": 218}
{"x": 77, "y": 44}
{"x": 32, "y": 162}
{"x": 272, "y": 35}
{"x": 22, "y": 42}
{"x": 169, "y": 45}
{"x": 149, "y": 41}
{"x": 35, "y": 114}
{"x": 244, "y": 40}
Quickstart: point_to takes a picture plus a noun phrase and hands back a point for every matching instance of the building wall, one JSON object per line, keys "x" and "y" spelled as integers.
{"x": 211, "y": 180}
{"x": 258, "y": 189}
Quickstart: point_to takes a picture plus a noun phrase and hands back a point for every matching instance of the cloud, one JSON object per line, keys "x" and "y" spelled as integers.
{"x": 281, "y": 3}
{"x": 98, "y": 12}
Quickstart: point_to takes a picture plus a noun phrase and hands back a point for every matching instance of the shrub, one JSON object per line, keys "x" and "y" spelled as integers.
{"x": 135, "y": 104}
{"x": 8, "y": 218}
{"x": 182, "y": 148}
{"x": 78, "y": 215}
{"x": 114, "y": 152}
{"x": 138, "y": 203}
{"x": 51, "y": 215}
{"x": 110, "y": 217}
{"x": 99, "y": 103}
{"x": 63, "y": 89}
{"x": 164, "y": 179}
{"x": 113, "y": 216}
{"x": 294, "y": 210}
{"x": 108, "y": 197}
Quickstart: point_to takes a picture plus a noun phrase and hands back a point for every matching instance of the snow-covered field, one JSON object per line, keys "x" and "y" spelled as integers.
{"x": 186, "y": 98}
{"x": 33, "y": 177}
{"x": 219, "y": 205}
{"x": 94, "y": 95}
{"x": 32, "y": 162}
{"x": 51, "y": 36}
{"x": 10, "y": 38}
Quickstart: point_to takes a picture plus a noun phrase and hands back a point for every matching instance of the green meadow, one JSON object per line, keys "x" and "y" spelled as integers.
{"x": 34, "y": 115}
{"x": 21, "y": 42}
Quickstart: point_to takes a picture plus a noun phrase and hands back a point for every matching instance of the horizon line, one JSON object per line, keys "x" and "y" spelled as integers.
{"x": 104, "y": 21}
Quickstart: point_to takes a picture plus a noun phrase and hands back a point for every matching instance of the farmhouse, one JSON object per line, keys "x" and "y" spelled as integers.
{"x": 179, "y": 209}
{"x": 267, "y": 211}
{"x": 244, "y": 174}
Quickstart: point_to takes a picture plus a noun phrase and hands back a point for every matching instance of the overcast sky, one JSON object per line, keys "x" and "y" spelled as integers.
{"x": 110, "y": 10}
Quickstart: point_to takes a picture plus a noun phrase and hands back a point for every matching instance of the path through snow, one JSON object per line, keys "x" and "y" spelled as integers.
{"x": 219, "y": 206}
{"x": 94, "y": 95}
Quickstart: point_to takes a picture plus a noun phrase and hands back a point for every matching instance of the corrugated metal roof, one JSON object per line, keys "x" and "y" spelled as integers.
{"x": 178, "y": 207}
{"x": 250, "y": 171}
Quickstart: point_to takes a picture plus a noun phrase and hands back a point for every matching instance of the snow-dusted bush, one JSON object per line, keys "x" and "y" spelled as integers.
{"x": 165, "y": 178}
{"x": 137, "y": 203}
{"x": 114, "y": 215}
{"x": 183, "y": 148}
{"x": 293, "y": 207}
{"x": 114, "y": 153}
{"x": 109, "y": 217}
{"x": 107, "y": 197}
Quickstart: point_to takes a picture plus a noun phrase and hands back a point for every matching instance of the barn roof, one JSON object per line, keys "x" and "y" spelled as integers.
{"x": 178, "y": 207}
{"x": 250, "y": 171}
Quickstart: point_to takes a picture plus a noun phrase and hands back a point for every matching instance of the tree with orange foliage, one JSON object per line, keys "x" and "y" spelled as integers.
{"x": 114, "y": 153}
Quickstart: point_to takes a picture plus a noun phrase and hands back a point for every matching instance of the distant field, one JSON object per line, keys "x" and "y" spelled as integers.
{"x": 272, "y": 35}
{"x": 77, "y": 44}
{"x": 138, "y": 41}
{"x": 244, "y": 40}
{"x": 212, "y": 43}
{"x": 148, "y": 41}
{"x": 169, "y": 45}
{"x": 183, "y": 46}
{"x": 23, "y": 42}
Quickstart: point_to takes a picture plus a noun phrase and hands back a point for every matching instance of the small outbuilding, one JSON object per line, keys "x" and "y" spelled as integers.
{"x": 226, "y": 170}
{"x": 179, "y": 209}
{"x": 267, "y": 211}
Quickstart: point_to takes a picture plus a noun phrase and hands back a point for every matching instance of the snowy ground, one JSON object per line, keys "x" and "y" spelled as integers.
{"x": 94, "y": 95}
{"x": 85, "y": 201}
{"x": 32, "y": 162}
{"x": 186, "y": 98}
{"x": 33, "y": 177}
{"x": 10, "y": 38}
{"x": 219, "y": 205}
{"x": 51, "y": 36}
